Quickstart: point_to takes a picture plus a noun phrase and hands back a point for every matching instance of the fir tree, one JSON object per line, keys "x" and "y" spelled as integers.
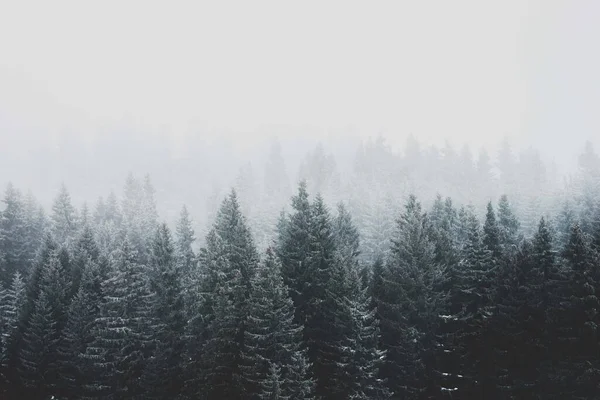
{"x": 78, "y": 333}
{"x": 186, "y": 258}
{"x": 121, "y": 331}
{"x": 508, "y": 226}
{"x": 583, "y": 380}
{"x": 471, "y": 307}
{"x": 362, "y": 330}
{"x": 40, "y": 375}
{"x": 11, "y": 304}
{"x": 38, "y": 354}
{"x": 294, "y": 246}
{"x": 227, "y": 265}
{"x": 64, "y": 218}
{"x": 275, "y": 362}
{"x": 13, "y": 236}
{"x": 164, "y": 374}
{"x": 410, "y": 303}
{"x": 491, "y": 234}
{"x": 84, "y": 249}
{"x": 35, "y": 226}
{"x": 324, "y": 309}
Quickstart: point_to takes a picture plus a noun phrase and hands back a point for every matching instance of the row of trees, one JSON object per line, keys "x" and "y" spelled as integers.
{"x": 113, "y": 305}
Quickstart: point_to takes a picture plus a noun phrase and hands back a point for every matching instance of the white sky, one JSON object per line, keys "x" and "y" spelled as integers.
{"x": 466, "y": 70}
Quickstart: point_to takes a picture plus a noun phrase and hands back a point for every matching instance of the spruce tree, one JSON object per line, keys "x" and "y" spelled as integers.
{"x": 64, "y": 218}
{"x": 471, "y": 307}
{"x": 584, "y": 319}
{"x": 362, "y": 330}
{"x": 324, "y": 308}
{"x": 38, "y": 353}
{"x": 13, "y": 236}
{"x": 294, "y": 246}
{"x": 78, "y": 333}
{"x": 410, "y": 303}
{"x": 508, "y": 226}
{"x": 115, "y": 357}
{"x": 186, "y": 258}
{"x": 227, "y": 266}
{"x": 491, "y": 234}
{"x": 35, "y": 226}
{"x": 11, "y": 305}
{"x": 163, "y": 375}
{"x": 84, "y": 249}
{"x": 274, "y": 360}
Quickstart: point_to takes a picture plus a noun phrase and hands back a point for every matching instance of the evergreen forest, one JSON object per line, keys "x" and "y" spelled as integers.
{"x": 408, "y": 279}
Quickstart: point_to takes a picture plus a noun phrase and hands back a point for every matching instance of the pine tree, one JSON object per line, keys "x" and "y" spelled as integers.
{"x": 508, "y": 225}
{"x": 164, "y": 373}
{"x": 11, "y": 304}
{"x": 367, "y": 359}
{"x": 35, "y": 226}
{"x": 362, "y": 330}
{"x": 121, "y": 342}
{"x": 550, "y": 288}
{"x": 227, "y": 265}
{"x": 317, "y": 282}
{"x": 410, "y": 303}
{"x": 270, "y": 388}
{"x": 584, "y": 317}
{"x": 186, "y": 258}
{"x": 273, "y": 340}
{"x": 38, "y": 353}
{"x": 149, "y": 217}
{"x": 109, "y": 226}
{"x": 78, "y": 333}
{"x": 324, "y": 308}
{"x": 84, "y": 249}
{"x": 491, "y": 234}
{"x": 564, "y": 222}
{"x": 224, "y": 312}
{"x": 64, "y": 218}
{"x": 294, "y": 246}
{"x": 13, "y": 236}
{"x": 471, "y": 307}
{"x": 134, "y": 206}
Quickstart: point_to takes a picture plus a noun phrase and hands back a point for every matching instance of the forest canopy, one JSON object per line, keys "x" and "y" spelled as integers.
{"x": 427, "y": 274}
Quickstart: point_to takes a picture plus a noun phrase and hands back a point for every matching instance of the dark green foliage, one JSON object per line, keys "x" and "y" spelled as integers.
{"x": 583, "y": 317}
{"x": 39, "y": 348}
{"x": 110, "y": 306}
{"x": 79, "y": 332}
{"x": 121, "y": 332}
{"x": 164, "y": 371}
{"x": 186, "y": 258}
{"x": 228, "y": 265}
{"x": 84, "y": 250}
{"x": 323, "y": 308}
{"x": 492, "y": 235}
{"x": 13, "y": 236}
{"x": 410, "y": 304}
{"x": 11, "y": 305}
{"x": 508, "y": 226}
{"x": 64, "y": 218}
{"x": 294, "y": 246}
{"x": 274, "y": 360}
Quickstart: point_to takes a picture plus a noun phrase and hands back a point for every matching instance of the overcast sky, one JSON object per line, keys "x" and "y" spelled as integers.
{"x": 466, "y": 70}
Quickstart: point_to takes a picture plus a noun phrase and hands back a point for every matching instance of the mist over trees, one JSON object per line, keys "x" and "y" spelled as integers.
{"x": 430, "y": 273}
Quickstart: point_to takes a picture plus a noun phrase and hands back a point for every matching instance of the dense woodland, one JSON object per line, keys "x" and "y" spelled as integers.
{"x": 339, "y": 294}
